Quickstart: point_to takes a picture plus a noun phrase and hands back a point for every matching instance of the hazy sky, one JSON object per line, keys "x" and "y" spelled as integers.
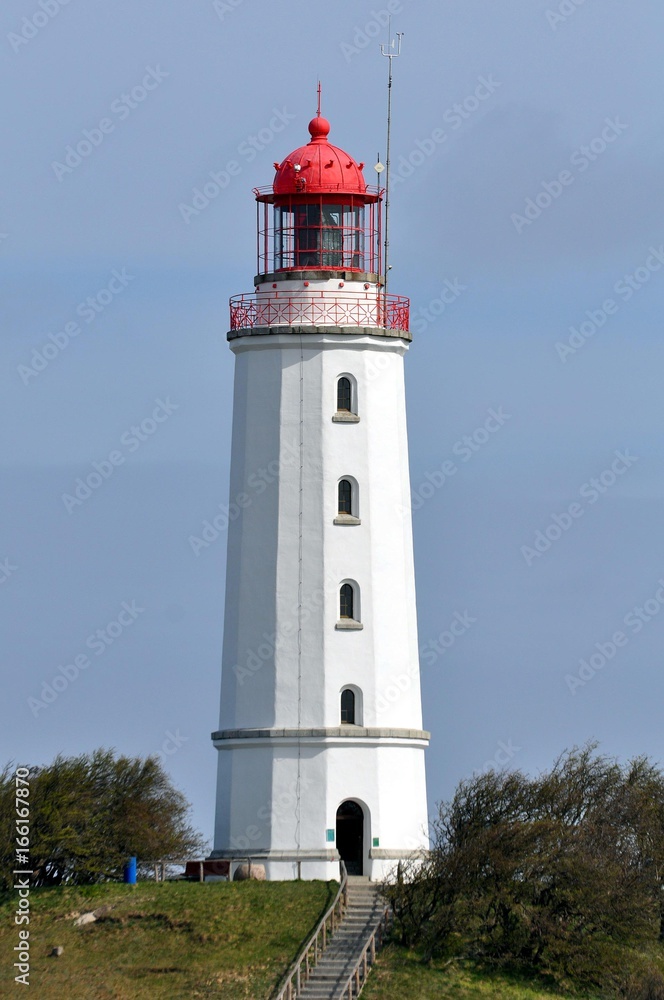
{"x": 527, "y": 228}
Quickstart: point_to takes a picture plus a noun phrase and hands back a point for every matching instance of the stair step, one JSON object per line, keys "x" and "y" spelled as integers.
{"x": 345, "y": 946}
{"x": 333, "y": 973}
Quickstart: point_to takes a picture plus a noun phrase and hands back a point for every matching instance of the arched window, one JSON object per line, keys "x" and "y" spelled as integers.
{"x": 350, "y": 609}
{"x": 346, "y": 601}
{"x": 347, "y": 707}
{"x": 345, "y": 502}
{"x": 344, "y": 395}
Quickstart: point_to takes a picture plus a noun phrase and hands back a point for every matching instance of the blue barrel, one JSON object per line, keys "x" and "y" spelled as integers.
{"x": 130, "y": 871}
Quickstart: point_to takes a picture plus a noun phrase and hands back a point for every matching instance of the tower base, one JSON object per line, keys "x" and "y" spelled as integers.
{"x": 287, "y": 866}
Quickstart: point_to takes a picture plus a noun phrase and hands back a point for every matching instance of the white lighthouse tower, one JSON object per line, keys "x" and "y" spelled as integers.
{"x": 320, "y": 740}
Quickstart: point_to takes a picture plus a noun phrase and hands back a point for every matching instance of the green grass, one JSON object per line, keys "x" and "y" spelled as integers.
{"x": 230, "y": 941}
{"x": 224, "y": 940}
{"x": 399, "y": 973}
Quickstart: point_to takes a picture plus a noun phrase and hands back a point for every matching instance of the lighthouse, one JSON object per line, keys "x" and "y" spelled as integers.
{"x": 320, "y": 741}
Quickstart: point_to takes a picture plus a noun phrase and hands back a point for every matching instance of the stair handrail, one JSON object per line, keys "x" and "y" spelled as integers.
{"x": 297, "y": 976}
{"x": 355, "y": 982}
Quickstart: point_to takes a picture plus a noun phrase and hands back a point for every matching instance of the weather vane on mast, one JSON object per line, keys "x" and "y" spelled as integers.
{"x": 391, "y": 50}
{"x": 319, "y": 92}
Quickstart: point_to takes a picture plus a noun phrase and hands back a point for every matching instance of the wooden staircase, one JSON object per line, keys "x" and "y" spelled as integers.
{"x": 345, "y": 963}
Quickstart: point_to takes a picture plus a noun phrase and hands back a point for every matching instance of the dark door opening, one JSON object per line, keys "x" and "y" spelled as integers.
{"x": 350, "y": 836}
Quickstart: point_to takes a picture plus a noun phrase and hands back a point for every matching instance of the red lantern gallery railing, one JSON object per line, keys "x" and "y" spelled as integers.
{"x": 319, "y": 309}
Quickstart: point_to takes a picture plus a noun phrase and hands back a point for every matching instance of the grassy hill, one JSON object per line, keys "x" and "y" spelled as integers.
{"x": 230, "y": 941}
{"x": 399, "y": 973}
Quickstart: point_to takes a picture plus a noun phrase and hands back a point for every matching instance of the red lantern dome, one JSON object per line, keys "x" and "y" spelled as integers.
{"x": 319, "y": 167}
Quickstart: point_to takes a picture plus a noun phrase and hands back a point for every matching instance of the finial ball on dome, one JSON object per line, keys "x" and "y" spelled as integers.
{"x": 319, "y": 127}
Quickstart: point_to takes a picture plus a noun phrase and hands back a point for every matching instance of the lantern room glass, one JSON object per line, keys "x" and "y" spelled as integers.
{"x": 319, "y": 235}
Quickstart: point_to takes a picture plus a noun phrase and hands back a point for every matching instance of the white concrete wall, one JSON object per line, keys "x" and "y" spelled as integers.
{"x": 284, "y": 662}
{"x": 278, "y": 813}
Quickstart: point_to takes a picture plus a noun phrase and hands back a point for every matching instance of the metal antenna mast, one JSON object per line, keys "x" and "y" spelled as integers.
{"x": 389, "y": 51}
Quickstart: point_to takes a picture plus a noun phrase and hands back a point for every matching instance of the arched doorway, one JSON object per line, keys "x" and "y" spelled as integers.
{"x": 350, "y": 836}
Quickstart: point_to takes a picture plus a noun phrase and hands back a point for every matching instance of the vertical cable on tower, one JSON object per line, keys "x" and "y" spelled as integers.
{"x": 300, "y": 554}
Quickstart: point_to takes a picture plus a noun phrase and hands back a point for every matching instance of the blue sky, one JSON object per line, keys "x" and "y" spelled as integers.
{"x": 528, "y": 141}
